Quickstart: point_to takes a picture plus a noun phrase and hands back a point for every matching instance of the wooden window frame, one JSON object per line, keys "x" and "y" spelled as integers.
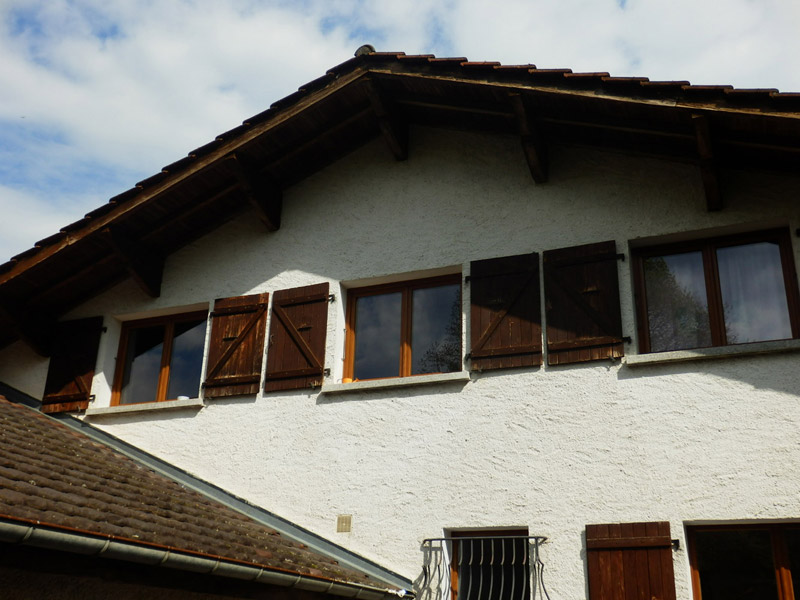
{"x": 708, "y": 247}
{"x": 780, "y": 554}
{"x": 169, "y": 322}
{"x": 406, "y": 288}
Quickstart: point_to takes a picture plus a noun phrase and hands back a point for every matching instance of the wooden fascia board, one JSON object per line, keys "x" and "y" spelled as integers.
{"x": 760, "y": 112}
{"x": 203, "y": 162}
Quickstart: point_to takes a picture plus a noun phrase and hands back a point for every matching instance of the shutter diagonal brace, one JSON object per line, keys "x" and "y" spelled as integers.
{"x": 302, "y": 345}
{"x": 502, "y": 314}
{"x": 553, "y": 277}
{"x": 212, "y": 372}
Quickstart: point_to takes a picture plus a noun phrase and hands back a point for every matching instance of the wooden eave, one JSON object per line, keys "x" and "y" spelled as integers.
{"x": 381, "y": 94}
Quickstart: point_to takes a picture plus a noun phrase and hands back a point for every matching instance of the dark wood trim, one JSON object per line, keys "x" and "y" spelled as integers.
{"x": 405, "y": 288}
{"x": 169, "y": 322}
{"x": 780, "y": 554}
{"x": 144, "y": 266}
{"x": 263, "y": 194}
{"x": 708, "y": 247}
{"x": 395, "y": 132}
{"x": 707, "y": 163}
{"x": 531, "y": 137}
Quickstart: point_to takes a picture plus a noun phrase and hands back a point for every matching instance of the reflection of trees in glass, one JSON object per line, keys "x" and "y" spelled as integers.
{"x": 444, "y": 354}
{"x": 677, "y": 317}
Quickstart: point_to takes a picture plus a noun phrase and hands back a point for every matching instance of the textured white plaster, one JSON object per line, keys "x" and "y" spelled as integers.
{"x": 551, "y": 448}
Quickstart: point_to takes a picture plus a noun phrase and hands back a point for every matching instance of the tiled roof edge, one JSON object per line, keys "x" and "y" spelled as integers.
{"x": 43, "y": 536}
{"x": 315, "y": 542}
{"x": 291, "y": 530}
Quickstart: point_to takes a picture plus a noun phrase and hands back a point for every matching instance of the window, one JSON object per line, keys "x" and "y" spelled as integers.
{"x": 716, "y": 292}
{"x": 744, "y": 562}
{"x": 402, "y": 329}
{"x": 490, "y": 565}
{"x": 160, "y": 359}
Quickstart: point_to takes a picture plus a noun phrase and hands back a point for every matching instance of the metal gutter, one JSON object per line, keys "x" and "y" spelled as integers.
{"x": 345, "y": 557}
{"x": 107, "y": 547}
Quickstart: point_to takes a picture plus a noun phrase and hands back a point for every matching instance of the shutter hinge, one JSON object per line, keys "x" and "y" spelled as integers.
{"x": 467, "y": 356}
{"x": 104, "y": 329}
{"x": 331, "y": 298}
{"x": 621, "y": 257}
{"x": 627, "y": 339}
{"x": 676, "y": 545}
{"x": 326, "y": 372}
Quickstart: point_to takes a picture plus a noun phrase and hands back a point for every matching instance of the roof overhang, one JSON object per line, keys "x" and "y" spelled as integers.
{"x": 382, "y": 94}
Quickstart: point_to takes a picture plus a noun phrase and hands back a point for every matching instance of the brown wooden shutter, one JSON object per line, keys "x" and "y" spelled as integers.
{"x": 630, "y": 560}
{"x": 582, "y": 302}
{"x": 505, "y": 316}
{"x": 72, "y": 362}
{"x": 297, "y": 331}
{"x": 236, "y": 347}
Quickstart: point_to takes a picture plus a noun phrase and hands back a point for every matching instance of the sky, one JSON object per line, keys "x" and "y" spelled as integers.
{"x": 96, "y": 95}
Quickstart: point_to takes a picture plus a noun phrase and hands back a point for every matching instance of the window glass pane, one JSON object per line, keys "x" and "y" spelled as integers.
{"x": 493, "y": 569}
{"x": 753, "y": 293}
{"x": 142, "y": 364}
{"x": 677, "y": 305}
{"x": 735, "y": 565}
{"x": 377, "y": 336}
{"x": 436, "y": 330}
{"x": 187, "y": 359}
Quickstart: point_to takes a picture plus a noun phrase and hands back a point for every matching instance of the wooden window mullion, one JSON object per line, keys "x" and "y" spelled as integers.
{"x": 166, "y": 358}
{"x": 714, "y": 296}
{"x": 783, "y": 571}
{"x": 405, "y": 332}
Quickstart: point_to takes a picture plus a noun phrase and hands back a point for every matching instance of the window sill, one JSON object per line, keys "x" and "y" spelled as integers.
{"x": 395, "y": 382}
{"x": 657, "y": 358}
{"x": 144, "y": 406}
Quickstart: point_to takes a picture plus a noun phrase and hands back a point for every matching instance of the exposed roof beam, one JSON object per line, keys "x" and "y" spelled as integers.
{"x": 532, "y": 144}
{"x": 708, "y": 167}
{"x": 263, "y": 194}
{"x": 145, "y": 267}
{"x": 196, "y": 168}
{"x": 35, "y": 333}
{"x": 394, "y": 131}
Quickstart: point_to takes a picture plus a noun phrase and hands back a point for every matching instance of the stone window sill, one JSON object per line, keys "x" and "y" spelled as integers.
{"x": 395, "y": 382}
{"x": 657, "y": 358}
{"x": 144, "y": 406}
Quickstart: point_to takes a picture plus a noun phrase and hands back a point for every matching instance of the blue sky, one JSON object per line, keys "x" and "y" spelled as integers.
{"x": 96, "y": 95}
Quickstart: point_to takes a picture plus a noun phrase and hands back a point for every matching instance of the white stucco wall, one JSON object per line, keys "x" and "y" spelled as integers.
{"x": 552, "y": 449}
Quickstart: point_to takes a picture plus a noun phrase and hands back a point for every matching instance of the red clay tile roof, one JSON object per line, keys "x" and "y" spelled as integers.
{"x": 55, "y": 477}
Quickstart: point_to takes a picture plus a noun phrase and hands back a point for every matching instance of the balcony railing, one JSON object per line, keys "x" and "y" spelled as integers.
{"x": 482, "y": 568}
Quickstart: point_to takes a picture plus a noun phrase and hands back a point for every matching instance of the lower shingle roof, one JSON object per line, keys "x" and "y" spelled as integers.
{"x": 55, "y": 477}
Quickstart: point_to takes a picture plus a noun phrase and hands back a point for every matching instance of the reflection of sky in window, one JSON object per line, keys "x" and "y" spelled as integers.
{"x": 677, "y": 304}
{"x": 753, "y": 293}
{"x": 142, "y": 364}
{"x": 187, "y": 359}
{"x": 377, "y": 336}
{"x": 436, "y": 329}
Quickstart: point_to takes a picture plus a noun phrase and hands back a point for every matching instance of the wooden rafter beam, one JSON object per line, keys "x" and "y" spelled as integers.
{"x": 532, "y": 143}
{"x": 394, "y": 131}
{"x": 263, "y": 194}
{"x": 708, "y": 167}
{"x": 36, "y": 333}
{"x": 144, "y": 266}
